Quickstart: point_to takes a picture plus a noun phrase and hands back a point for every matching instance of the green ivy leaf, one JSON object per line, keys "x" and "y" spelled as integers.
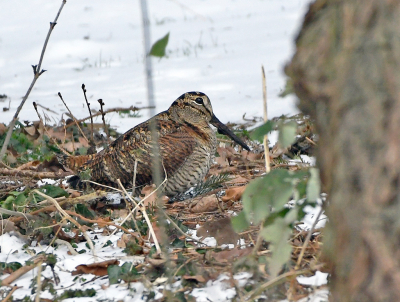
{"x": 267, "y": 193}
{"x": 313, "y": 185}
{"x": 259, "y": 132}
{"x": 277, "y": 234}
{"x": 158, "y": 48}
{"x": 84, "y": 211}
{"x": 239, "y": 222}
{"x": 52, "y": 191}
{"x": 287, "y": 133}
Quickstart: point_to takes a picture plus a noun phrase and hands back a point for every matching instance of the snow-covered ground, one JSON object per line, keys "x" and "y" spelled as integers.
{"x": 216, "y": 47}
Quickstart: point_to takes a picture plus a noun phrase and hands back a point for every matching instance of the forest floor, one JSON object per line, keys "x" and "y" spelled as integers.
{"x": 58, "y": 243}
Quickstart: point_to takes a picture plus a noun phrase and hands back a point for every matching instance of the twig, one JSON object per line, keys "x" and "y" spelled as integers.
{"x": 117, "y": 109}
{"x": 104, "y": 120}
{"x": 14, "y": 213}
{"x": 179, "y": 229}
{"x": 36, "y": 74}
{"x": 100, "y": 222}
{"x": 265, "y": 140}
{"x": 66, "y": 215}
{"x": 45, "y": 129}
{"x": 146, "y": 217}
{"x": 22, "y": 270}
{"x": 281, "y": 278}
{"x": 311, "y": 141}
{"x": 48, "y": 109}
{"x": 90, "y": 113}
{"x": 11, "y": 292}
{"x": 73, "y": 117}
{"x": 39, "y": 281}
{"x": 310, "y": 232}
{"x": 34, "y": 174}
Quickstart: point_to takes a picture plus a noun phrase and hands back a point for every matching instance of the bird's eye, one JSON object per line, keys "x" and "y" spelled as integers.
{"x": 199, "y": 101}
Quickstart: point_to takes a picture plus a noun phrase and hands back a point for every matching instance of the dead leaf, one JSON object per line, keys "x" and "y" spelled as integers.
{"x": 151, "y": 199}
{"x": 221, "y": 230}
{"x": 125, "y": 238}
{"x": 32, "y": 165}
{"x": 237, "y": 180}
{"x": 31, "y": 130}
{"x": 3, "y": 128}
{"x": 83, "y": 142}
{"x": 251, "y": 156}
{"x": 97, "y": 269}
{"x": 231, "y": 255}
{"x": 7, "y": 226}
{"x": 204, "y": 204}
{"x": 233, "y": 194}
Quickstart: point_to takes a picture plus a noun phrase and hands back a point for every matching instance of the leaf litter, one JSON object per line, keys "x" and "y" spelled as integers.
{"x": 124, "y": 264}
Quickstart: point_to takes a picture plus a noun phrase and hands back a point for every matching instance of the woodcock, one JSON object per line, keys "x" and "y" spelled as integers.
{"x": 187, "y": 145}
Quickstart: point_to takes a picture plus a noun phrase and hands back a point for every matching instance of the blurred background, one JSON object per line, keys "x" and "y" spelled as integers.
{"x": 216, "y": 47}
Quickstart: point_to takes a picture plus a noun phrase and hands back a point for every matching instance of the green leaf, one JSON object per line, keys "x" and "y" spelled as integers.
{"x": 52, "y": 191}
{"x": 84, "y": 211}
{"x": 277, "y": 234}
{"x": 313, "y": 185}
{"x": 239, "y": 222}
{"x": 287, "y": 133}
{"x": 268, "y": 193}
{"x": 126, "y": 272}
{"x": 158, "y": 48}
{"x": 259, "y": 132}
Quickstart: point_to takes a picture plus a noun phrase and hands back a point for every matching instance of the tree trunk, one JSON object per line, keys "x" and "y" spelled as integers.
{"x": 346, "y": 72}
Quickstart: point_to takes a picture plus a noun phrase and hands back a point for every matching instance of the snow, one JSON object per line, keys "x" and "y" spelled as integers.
{"x": 216, "y": 47}
{"x": 317, "y": 280}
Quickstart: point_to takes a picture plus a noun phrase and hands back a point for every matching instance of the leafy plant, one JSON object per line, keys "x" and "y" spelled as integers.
{"x": 127, "y": 272}
{"x": 265, "y": 199}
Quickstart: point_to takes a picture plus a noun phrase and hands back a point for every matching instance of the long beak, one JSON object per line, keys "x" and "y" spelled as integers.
{"x": 222, "y": 129}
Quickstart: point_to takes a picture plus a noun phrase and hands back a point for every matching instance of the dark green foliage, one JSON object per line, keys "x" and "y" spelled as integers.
{"x": 132, "y": 248}
{"x": 76, "y": 293}
{"x": 127, "y": 272}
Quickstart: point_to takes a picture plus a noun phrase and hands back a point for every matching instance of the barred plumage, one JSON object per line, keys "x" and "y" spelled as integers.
{"x": 187, "y": 146}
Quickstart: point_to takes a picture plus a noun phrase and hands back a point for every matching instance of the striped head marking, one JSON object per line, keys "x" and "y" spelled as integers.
{"x": 192, "y": 107}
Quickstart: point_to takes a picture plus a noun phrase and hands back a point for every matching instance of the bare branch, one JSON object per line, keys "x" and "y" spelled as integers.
{"x": 36, "y": 75}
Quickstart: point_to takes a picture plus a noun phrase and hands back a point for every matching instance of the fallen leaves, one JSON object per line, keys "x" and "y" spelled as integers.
{"x": 97, "y": 269}
{"x": 221, "y": 230}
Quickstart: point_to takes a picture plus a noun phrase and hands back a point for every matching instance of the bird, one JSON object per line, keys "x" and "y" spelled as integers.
{"x": 187, "y": 144}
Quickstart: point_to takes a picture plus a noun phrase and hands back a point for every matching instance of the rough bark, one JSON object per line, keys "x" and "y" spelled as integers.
{"x": 346, "y": 73}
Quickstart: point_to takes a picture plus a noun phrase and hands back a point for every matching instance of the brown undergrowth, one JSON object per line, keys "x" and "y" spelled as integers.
{"x": 190, "y": 260}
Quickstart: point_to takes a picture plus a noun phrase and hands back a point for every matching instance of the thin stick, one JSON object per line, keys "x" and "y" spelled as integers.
{"x": 11, "y": 292}
{"x": 22, "y": 270}
{"x": 260, "y": 288}
{"x": 36, "y": 74}
{"x": 45, "y": 129}
{"x": 104, "y": 120}
{"x": 100, "y": 222}
{"x": 117, "y": 109}
{"x": 146, "y": 217}
{"x": 265, "y": 141}
{"x": 14, "y": 213}
{"x": 137, "y": 204}
{"x": 310, "y": 232}
{"x": 66, "y": 215}
{"x": 179, "y": 229}
{"x": 90, "y": 113}
{"x": 39, "y": 281}
{"x": 73, "y": 117}
{"x": 34, "y": 174}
